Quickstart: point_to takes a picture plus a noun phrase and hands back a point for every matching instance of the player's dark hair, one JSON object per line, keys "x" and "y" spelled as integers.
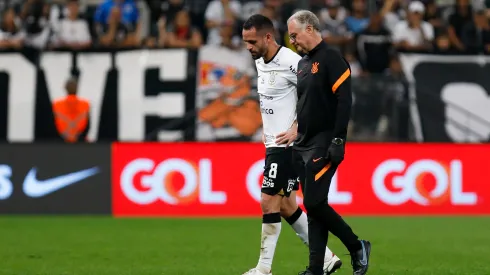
{"x": 259, "y": 22}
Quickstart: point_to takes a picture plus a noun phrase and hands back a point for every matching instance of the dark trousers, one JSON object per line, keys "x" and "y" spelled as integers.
{"x": 316, "y": 174}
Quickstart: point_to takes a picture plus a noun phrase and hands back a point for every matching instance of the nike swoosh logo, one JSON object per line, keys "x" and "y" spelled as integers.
{"x": 315, "y": 160}
{"x": 36, "y": 188}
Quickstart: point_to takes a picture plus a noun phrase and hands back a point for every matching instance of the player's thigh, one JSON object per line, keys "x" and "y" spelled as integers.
{"x": 319, "y": 174}
{"x": 278, "y": 172}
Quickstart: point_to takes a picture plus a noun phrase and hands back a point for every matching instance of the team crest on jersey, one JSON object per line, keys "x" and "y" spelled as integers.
{"x": 314, "y": 67}
{"x": 272, "y": 77}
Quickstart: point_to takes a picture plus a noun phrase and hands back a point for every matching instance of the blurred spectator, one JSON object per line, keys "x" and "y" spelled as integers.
{"x": 10, "y": 35}
{"x": 458, "y": 19}
{"x": 392, "y": 12}
{"x": 476, "y": 34}
{"x": 487, "y": 5}
{"x": 162, "y": 33}
{"x": 443, "y": 45}
{"x": 250, "y": 8}
{"x": 35, "y": 16}
{"x": 228, "y": 39}
{"x": 116, "y": 33}
{"x": 150, "y": 42}
{"x": 220, "y": 13}
{"x": 181, "y": 34}
{"x": 278, "y": 25}
{"x": 4, "y": 6}
{"x": 197, "y": 10}
{"x": 10, "y": 4}
{"x": 164, "y": 8}
{"x": 335, "y": 31}
{"x": 72, "y": 32}
{"x": 433, "y": 15}
{"x": 414, "y": 34}
{"x": 287, "y": 8}
{"x": 374, "y": 46}
{"x": 274, "y": 4}
{"x": 358, "y": 19}
{"x": 127, "y": 10}
{"x": 72, "y": 114}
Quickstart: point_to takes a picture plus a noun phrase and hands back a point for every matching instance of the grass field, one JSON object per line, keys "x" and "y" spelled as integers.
{"x": 107, "y": 246}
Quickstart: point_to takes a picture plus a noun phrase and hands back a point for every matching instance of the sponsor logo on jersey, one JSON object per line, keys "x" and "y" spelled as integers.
{"x": 267, "y": 111}
{"x": 266, "y": 97}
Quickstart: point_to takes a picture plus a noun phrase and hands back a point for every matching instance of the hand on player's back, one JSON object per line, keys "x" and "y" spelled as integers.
{"x": 289, "y": 136}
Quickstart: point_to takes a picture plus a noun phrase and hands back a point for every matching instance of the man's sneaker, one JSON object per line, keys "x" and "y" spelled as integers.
{"x": 329, "y": 267}
{"x": 255, "y": 271}
{"x": 360, "y": 258}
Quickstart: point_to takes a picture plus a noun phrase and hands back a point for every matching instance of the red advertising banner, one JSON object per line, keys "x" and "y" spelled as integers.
{"x": 224, "y": 179}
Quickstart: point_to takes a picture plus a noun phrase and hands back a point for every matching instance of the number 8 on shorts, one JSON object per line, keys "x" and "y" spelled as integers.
{"x": 278, "y": 171}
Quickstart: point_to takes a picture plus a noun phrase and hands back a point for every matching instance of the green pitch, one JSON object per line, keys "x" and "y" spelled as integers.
{"x": 106, "y": 246}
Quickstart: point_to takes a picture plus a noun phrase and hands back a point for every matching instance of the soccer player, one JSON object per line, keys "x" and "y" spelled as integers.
{"x": 324, "y": 106}
{"x": 276, "y": 67}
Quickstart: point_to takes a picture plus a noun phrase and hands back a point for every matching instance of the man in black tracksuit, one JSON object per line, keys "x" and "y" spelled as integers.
{"x": 323, "y": 113}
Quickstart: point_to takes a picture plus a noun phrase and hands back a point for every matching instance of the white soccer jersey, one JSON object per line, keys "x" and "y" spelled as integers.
{"x": 276, "y": 85}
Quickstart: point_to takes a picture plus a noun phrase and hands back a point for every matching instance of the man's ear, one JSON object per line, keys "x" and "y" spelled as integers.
{"x": 309, "y": 29}
{"x": 268, "y": 36}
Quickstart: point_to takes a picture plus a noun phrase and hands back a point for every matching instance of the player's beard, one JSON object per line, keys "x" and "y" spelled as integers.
{"x": 255, "y": 55}
{"x": 258, "y": 54}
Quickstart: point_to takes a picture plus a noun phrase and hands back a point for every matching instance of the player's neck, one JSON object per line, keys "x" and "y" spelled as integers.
{"x": 271, "y": 52}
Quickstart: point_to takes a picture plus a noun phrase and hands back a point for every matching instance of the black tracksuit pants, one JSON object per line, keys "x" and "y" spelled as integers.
{"x": 316, "y": 174}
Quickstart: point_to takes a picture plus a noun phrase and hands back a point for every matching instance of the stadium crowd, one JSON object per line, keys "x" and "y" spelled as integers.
{"x": 368, "y": 32}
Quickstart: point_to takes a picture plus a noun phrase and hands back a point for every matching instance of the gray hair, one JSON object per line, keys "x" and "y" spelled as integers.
{"x": 305, "y": 18}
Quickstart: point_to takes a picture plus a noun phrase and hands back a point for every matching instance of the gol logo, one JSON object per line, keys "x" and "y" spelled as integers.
{"x": 159, "y": 182}
{"x": 411, "y": 182}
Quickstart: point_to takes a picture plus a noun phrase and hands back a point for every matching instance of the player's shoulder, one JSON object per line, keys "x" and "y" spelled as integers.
{"x": 331, "y": 54}
{"x": 289, "y": 60}
{"x": 332, "y": 50}
{"x": 290, "y": 55}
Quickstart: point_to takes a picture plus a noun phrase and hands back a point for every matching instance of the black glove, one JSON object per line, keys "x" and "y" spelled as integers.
{"x": 335, "y": 152}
